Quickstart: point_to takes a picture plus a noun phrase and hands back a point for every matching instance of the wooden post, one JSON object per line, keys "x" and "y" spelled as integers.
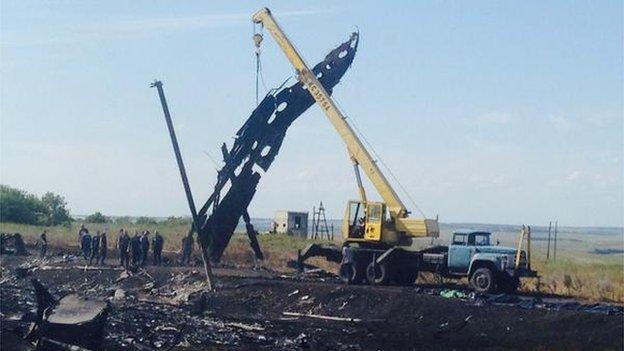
{"x": 314, "y": 228}
{"x": 187, "y": 188}
{"x": 555, "y": 244}
{"x": 528, "y": 247}
{"x": 548, "y": 247}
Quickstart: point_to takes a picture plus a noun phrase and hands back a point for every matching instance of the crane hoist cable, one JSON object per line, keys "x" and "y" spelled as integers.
{"x": 374, "y": 152}
{"x": 257, "y": 39}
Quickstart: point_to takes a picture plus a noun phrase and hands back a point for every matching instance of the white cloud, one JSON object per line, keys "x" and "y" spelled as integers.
{"x": 574, "y": 175}
{"x": 80, "y": 31}
{"x": 560, "y": 123}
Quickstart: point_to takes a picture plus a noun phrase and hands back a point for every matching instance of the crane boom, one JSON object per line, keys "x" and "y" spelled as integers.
{"x": 358, "y": 153}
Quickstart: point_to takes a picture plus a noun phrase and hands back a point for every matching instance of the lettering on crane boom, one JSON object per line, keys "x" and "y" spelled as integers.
{"x": 316, "y": 91}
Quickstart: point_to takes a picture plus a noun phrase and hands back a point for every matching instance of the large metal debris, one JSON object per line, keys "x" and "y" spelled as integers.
{"x": 72, "y": 320}
{"x": 257, "y": 143}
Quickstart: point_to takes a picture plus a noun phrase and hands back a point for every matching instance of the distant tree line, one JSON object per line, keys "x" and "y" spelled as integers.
{"x": 19, "y": 206}
{"x": 98, "y": 217}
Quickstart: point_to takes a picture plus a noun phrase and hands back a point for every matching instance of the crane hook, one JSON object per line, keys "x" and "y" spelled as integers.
{"x": 257, "y": 38}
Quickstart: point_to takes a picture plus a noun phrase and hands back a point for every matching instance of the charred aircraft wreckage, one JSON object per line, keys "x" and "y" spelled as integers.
{"x": 257, "y": 143}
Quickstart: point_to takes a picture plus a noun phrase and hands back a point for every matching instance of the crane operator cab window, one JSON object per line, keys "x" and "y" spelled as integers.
{"x": 365, "y": 220}
{"x": 374, "y": 221}
{"x": 357, "y": 219}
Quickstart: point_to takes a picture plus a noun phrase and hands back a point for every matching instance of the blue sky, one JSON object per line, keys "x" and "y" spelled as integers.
{"x": 499, "y": 112}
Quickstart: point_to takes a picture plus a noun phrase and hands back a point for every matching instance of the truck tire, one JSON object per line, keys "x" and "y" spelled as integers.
{"x": 351, "y": 273}
{"x": 483, "y": 280}
{"x": 378, "y": 274}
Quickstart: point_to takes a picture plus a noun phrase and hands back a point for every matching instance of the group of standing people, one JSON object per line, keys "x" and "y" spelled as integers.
{"x": 93, "y": 247}
{"x": 132, "y": 249}
{"x": 136, "y": 248}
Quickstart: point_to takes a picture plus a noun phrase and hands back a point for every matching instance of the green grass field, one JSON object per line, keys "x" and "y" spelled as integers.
{"x": 576, "y": 272}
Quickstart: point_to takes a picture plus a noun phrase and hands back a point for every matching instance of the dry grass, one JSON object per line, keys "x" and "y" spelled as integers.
{"x": 591, "y": 277}
{"x": 67, "y": 236}
{"x": 594, "y": 281}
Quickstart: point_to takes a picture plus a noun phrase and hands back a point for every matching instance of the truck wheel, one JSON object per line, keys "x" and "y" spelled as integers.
{"x": 378, "y": 273}
{"x": 482, "y": 281}
{"x": 351, "y": 273}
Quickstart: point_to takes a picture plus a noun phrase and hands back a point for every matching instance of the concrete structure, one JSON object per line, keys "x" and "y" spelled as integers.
{"x": 293, "y": 223}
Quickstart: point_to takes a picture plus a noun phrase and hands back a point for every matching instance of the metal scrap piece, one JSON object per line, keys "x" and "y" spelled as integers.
{"x": 257, "y": 143}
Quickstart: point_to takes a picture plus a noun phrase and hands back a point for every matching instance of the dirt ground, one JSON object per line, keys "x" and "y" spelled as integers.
{"x": 167, "y": 308}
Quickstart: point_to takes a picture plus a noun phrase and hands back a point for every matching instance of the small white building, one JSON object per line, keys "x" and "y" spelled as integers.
{"x": 292, "y": 223}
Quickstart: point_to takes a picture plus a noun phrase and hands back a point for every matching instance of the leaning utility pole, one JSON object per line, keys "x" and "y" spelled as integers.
{"x": 187, "y": 188}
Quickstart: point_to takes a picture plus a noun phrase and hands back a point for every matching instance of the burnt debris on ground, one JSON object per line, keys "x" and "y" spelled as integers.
{"x": 168, "y": 308}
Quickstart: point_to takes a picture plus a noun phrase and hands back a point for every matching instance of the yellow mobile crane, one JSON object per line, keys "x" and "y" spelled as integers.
{"x": 378, "y": 236}
{"x": 370, "y": 228}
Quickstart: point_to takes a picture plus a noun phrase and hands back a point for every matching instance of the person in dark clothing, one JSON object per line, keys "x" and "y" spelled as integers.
{"x": 85, "y": 244}
{"x": 157, "y": 245}
{"x": 145, "y": 244}
{"x": 123, "y": 243}
{"x": 3, "y": 238}
{"x": 103, "y": 248}
{"x": 95, "y": 248}
{"x": 135, "y": 245}
{"x": 43, "y": 242}
{"x": 18, "y": 245}
{"x": 187, "y": 250}
{"x": 81, "y": 231}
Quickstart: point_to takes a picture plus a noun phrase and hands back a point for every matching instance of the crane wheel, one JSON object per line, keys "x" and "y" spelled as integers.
{"x": 350, "y": 273}
{"x": 378, "y": 273}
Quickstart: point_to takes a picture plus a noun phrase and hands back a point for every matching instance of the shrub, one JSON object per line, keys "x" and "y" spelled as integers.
{"x": 97, "y": 217}
{"x": 55, "y": 208}
{"x": 172, "y": 220}
{"x": 18, "y": 206}
{"x": 146, "y": 221}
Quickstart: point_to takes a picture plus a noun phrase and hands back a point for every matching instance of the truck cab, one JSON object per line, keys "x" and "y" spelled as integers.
{"x": 488, "y": 267}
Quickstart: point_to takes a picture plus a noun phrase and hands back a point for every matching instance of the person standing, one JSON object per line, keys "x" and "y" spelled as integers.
{"x": 145, "y": 244}
{"x": 103, "y": 248}
{"x": 123, "y": 243}
{"x": 18, "y": 244}
{"x": 43, "y": 241}
{"x": 157, "y": 245}
{"x": 81, "y": 231}
{"x": 95, "y": 248}
{"x": 85, "y": 243}
{"x": 3, "y": 238}
{"x": 135, "y": 246}
{"x": 187, "y": 249}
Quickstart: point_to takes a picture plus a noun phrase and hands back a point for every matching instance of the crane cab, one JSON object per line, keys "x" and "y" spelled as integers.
{"x": 368, "y": 222}
{"x": 364, "y": 221}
